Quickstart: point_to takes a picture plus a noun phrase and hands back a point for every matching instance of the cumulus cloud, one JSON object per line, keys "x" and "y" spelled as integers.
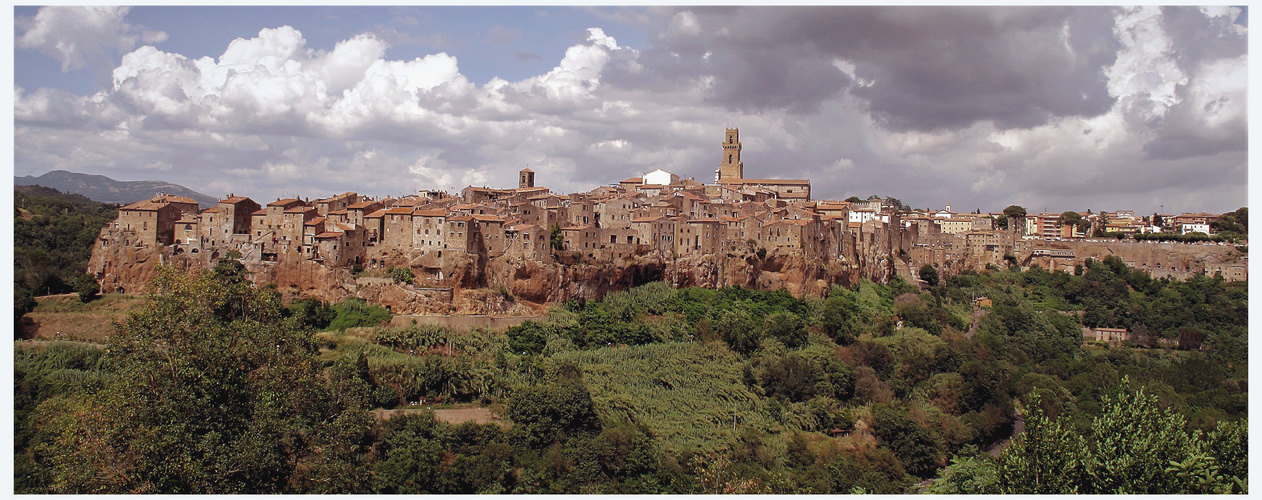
{"x": 82, "y": 35}
{"x": 1057, "y": 108}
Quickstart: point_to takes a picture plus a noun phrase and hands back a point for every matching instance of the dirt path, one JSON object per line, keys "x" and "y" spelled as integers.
{"x": 452, "y": 416}
{"x": 1018, "y": 426}
{"x": 977, "y": 320}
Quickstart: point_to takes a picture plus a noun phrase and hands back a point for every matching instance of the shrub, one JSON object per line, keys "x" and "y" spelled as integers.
{"x": 87, "y": 288}
{"x": 354, "y": 311}
{"x": 312, "y": 313}
{"x": 400, "y": 274}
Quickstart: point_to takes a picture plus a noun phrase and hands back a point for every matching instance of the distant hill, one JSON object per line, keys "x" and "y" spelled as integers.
{"x": 106, "y": 190}
{"x": 41, "y": 191}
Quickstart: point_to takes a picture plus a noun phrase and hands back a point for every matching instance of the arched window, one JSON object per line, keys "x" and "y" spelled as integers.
{"x": 729, "y": 158}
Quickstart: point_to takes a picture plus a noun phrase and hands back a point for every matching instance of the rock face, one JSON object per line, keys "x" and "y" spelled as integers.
{"x": 515, "y": 285}
{"x": 509, "y": 285}
{"x": 120, "y": 264}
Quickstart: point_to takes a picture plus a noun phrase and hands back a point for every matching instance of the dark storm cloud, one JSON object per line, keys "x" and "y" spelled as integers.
{"x": 929, "y": 67}
{"x": 1182, "y": 133}
{"x": 1198, "y": 38}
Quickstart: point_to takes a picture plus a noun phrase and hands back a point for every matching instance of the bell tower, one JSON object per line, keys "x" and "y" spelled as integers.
{"x": 527, "y": 178}
{"x": 731, "y": 168}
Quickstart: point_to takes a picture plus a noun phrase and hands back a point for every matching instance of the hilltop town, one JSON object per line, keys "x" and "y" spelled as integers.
{"x": 541, "y": 246}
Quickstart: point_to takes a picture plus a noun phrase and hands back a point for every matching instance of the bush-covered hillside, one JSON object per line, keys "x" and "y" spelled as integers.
{"x": 216, "y": 387}
{"x": 53, "y": 234}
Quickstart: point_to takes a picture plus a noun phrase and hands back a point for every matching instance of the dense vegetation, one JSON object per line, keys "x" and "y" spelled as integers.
{"x": 53, "y": 234}
{"x": 214, "y": 386}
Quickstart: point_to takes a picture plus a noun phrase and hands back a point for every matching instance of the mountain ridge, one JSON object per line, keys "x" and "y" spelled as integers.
{"x": 103, "y": 189}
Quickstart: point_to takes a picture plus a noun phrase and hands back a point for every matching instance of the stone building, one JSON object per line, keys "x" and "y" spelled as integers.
{"x": 397, "y": 229}
{"x": 428, "y": 227}
{"x": 153, "y": 220}
{"x": 730, "y": 167}
{"x": 335, "y": 203}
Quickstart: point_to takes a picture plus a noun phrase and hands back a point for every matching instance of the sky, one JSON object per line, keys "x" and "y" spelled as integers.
{"x": 1050, "y": 108}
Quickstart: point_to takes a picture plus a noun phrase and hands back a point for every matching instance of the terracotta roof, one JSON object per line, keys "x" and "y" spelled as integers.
{"x": 338, "y": 212}
{"x": 145, "y": 205}
{"x": 381, "y": 212}
{"x": 286, "y": 201}
{"x": 261, "y": 211}
{"x": 487, "y": 218}
{"x": 347, "y": 194}
{"x": 213, "y": 210}
{"x": 766, "y": 181}
{"x": 645, "y": 219}
{"x": 362, "y": 205}
{"x": 633, "y": 179}
{"x": 315, "y": 221}
{"x": 399, "y": 211}
{"x": 298, "y": 209}
{"x": 170, "y": 198}
{"x": 459, "y": 218}
{"x": 430, "y": 213}
{"x": 234, "y": 199}
{"x": 329, "y": 234}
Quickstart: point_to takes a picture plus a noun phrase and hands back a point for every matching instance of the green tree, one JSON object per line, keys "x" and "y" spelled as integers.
{"x": 400, "y": 274}
{"x": 23, "y": 302}
{"x": 1135, "y": 446}
{"x": 547, "y": 414}
{"x": 915, "y": 449}
{"x": 786, "y": 327}
{"x": 1101, "y": 225}
{"x": 217, "y": 393}
{"x": 412, "y": 456}
{"x": 967, "y": 475}
{"x": 1071, "y": 218}
{"x": 1001, "y": 222}
{"x": 929, "y": 274}
{"x": 1014, "y": 212}
{"x": 1048, "y": 457}
{"x": 557, "y": 238}
{"x": 740, "y": 331}
{"x": 86, "y": 286}
{"x": 312, "y": 313}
